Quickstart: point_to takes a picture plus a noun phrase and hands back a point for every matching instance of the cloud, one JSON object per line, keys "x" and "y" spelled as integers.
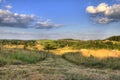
{"x": 16, "y": 20}
{"x": 10, "y": 19}
{"x": 54, "y": 35}
{"x": 8, "y": 6}
{"x": 46, "y": 25}
{"x": 104, "y": 20}
{"x": 18, "y": 35}
{"x": 91, "y": 9}
{"x": 100, "y": 8}
{"x": 105, "y": 13}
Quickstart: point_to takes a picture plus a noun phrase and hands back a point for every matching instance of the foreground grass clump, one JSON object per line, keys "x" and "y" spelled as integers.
{"x": 92, "y": 62}
{"x": 20, "y": 56}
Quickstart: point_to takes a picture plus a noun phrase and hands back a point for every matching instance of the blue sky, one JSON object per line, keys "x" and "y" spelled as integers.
{"x": 57, "y": 19}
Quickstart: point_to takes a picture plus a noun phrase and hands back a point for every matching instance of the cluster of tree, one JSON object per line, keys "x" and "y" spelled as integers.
{"x": 114, "y": 38}
{"x": 26, "y": 43}
{"x": 19, "y": 42}
{"x": 91, "y": 44}
{"x": 75, "y": 44}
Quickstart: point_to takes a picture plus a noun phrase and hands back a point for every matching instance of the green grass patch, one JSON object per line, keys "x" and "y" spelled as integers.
{"x": 20, "y": 56}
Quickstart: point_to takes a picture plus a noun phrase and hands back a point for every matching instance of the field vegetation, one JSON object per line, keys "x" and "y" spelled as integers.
{"x": 80, "y": 60}
{"x": 92, "y": 62}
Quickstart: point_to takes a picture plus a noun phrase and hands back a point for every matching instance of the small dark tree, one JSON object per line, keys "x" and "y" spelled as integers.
{"x": 25, "y": 47}
{"x": 49, "y": 46}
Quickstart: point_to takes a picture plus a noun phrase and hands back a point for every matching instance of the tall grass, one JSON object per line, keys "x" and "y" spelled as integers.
{"x": 92, "y": 62}
{"x": 20, "y": 56}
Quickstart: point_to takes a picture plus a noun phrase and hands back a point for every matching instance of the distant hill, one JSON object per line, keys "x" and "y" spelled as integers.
{"x": 113, "y": 38}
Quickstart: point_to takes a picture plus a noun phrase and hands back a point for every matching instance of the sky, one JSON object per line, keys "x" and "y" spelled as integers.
{"x": 59, "y": 19}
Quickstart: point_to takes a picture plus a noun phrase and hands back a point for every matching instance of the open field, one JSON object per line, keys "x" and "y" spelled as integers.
{"x": 59, "y": 39}
{"x": 52, "y": 67}
{"x": 100, "y": 53}
{"x": 55, "y": 69}
{"x": 97, "y": 48}
{"x": 59, "y": 60}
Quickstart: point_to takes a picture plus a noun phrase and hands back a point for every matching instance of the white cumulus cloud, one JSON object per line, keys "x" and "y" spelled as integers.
{"x": 8, "y": 6}
{"x": 10, "y": 19}
{"x": 46, "y": 25}
{"x": 100, "y": 8}
{"x": 91, "y": 9}
{"x": 109, "y": 13}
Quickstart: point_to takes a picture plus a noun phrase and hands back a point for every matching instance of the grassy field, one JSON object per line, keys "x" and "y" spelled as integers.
{"x": 100, "y": 53}
{"x": 19, "y": 64}
{"x": 93, "y": 62}
{"x": 20, "y": 56}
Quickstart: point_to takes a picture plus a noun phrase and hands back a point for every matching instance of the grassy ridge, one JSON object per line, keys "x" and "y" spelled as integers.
{"x": 109, "y": 43}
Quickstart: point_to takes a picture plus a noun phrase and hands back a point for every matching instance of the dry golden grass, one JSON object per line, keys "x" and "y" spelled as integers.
{"x": 39, "y": 47}
{"x": 13, "y": 46}
{"x": 101, "y": 53}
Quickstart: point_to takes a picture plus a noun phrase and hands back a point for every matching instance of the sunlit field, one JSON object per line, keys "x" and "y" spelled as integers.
{"x": 19, "y": 64}
{"x": 59, "y": 60}
{"x": 59, "y": 39}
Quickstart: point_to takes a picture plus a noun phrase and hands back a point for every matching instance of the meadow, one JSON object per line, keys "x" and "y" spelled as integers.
{"x": 59, "y": 60}
{"x": 19, "y": 64}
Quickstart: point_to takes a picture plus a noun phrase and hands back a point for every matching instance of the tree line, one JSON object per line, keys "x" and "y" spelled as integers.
{"x": 74, "y": 44}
